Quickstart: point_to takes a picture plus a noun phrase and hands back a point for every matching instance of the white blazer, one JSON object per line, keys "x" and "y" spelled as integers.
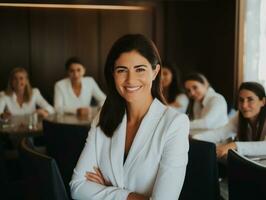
{"x": 248, "y": 148}
{"x": 66, "y": 100}
{"x": 11, "y": 104}
{"x": 209, "y": 114}
{"x": 155, "y": 165}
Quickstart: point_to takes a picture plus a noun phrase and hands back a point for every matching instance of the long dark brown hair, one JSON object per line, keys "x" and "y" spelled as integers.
{"x": 259, "y": 91}
{"x": 28, "y": 89}
{"x": 114, "y": 106}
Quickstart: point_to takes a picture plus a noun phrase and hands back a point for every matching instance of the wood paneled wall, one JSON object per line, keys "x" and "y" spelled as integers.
{"x": 42, "y": 39}
{"x": 200, "y": 36}
{"x": 197, "y": 35}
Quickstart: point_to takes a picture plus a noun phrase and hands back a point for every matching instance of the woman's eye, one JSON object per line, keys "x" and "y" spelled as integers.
{"x": 120, "y": 70}
{"x": 140, "y": 70}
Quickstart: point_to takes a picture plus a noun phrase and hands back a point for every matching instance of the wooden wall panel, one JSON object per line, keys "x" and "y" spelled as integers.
{"x": 14, "y": 42}
{"x": 199, "y": 36}
{"x": 57, "y": 35}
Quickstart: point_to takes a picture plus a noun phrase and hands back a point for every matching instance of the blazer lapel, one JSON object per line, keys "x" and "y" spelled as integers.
{"x": 117, "y": 152}
{"x": 145, "y": 132}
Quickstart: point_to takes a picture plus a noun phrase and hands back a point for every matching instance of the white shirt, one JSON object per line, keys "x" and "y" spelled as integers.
{"x": 65, "y": 99}
{"x": 183, "y": 101}
{"x": 252, "y": 148}
{"x": 155, "y": 165}
{"x": 209, "y": 114}
{"x": 11, "y": 104}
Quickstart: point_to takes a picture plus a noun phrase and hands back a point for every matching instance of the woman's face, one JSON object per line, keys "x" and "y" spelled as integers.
{"x": 76, "y": 72}
{"x": 133, "y": 76}
{"x": 19, "y": 81}
{"x": 167, "y": 77}
{"x": 249, "y": 104}
{"x": 195, "y": 90}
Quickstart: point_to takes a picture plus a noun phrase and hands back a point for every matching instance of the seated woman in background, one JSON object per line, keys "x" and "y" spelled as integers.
{"x": 74, "y": 93}
{"x": 137, "y": 148}
{"x": 20, "y": 98}
{"x": 172, "y": 88}
{"x": 249, "y": 125}
{"x": 207, "y": 109}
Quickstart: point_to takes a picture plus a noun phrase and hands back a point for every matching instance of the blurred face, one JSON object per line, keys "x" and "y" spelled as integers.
{"x": 167, "y": 77}
{"x": 19, "y": 81}
{"x": 133, "y": 75}
{"x": 195, "y": 90}
{"x": 76, "y": 72}
{"x": 249, "y": 104}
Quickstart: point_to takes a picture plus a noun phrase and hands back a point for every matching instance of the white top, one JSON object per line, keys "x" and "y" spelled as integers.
{"x": 253, "y": 148}
{"x": 155, "y": 165}
{"x": 183, "y": 101}
{"x": 11, "y": 104}
{"x": 209, "y": 114}
{"x": 66, "y": 100}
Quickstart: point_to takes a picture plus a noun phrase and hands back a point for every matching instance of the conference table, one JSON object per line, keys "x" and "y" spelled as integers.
{"x": 31, "y": 125}
{"x": 17, "y": 127}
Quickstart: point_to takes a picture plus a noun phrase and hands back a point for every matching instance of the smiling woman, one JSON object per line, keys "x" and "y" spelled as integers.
{"x": 137, "y": 148}
{"x": 249, "y": 125}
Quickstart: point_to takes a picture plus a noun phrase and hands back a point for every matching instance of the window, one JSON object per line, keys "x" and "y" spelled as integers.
{"x": 255, "y": 41}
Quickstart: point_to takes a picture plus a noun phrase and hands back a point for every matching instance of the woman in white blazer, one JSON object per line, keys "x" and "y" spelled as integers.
{"x": 20, "y": 98}
{"x": 207, "y": 109}
{"x": 248, "y": 126}
{"x": 137, "y": 147}
{"x": 74, "y": 94}
{"x": 172, "y": 89}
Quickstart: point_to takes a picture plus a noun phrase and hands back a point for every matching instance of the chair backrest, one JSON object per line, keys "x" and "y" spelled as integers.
{"x": 64, "y": 142}
{"x": 201, "y": 181}
{"x": 44, "y": 181}
{"x": 246, "y": 178}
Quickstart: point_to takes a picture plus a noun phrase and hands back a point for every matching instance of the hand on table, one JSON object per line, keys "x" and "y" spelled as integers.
{"x": 222, "y": 150}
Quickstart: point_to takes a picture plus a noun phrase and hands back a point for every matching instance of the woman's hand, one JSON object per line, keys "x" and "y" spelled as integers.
{"x": 41, "y": 112}
{"x": 222, "y": 150}
{"x": 5, "y": 115}
{"x": 83, "y": 112}
{"x": 135, "y": 196}
{"x": 97, "y": 177}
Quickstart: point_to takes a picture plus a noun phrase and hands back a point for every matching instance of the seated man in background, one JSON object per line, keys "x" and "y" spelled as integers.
{"x": 74, "y": 93}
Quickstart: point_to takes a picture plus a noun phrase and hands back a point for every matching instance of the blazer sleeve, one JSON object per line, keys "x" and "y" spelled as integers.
{"x": 219, "y": 134}
{"x": 97, "y": 93}
{"x": 172, "y": 167}
{"x": 256, "y": 148}
{"x": 83, "y": 189}
{"x": 41, "y": 102}
{"x": 215, "y": 109}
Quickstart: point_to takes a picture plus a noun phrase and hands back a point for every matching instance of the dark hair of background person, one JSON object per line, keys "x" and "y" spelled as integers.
{"x": 195, "y": 76}
{"x": 259, "y": 91}
{"x": 114, "y": 106}
{"x": 175, "y": 87}
{"x": 28, "y": 89}
{"x": 71, "y": 61}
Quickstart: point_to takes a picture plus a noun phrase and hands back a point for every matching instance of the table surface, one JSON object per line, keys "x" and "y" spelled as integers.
{"x": 22, "y": 125}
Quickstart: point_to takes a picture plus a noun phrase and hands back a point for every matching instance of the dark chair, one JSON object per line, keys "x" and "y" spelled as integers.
{"x": 11, "y": 184}
{"x": 246, "y": 178}
{"x": 64, "y": 142}
{"x": 201, "y": 181}
{"x": 44, "y": 181}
